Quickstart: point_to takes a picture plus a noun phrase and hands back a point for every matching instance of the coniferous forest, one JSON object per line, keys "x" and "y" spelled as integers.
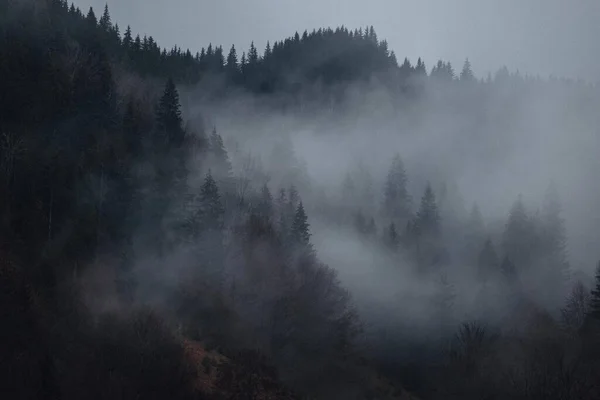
{"x": 312, "y": 218}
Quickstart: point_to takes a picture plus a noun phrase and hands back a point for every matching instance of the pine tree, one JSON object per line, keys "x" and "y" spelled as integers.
{"x": 91, "y": 18}
{"x": 168, "y": 118}
{"x": 219, "y": 158}
{"x": 300, "y": 227}
{"x": 518, "y": 238}
{"x": 392, "y": 239}
{"x": 554, "y": 241}
{"x": 232, "y": 64}
{"x": 594, "y": 310}
{"x": 420, "y": 68}
{"x": 466, "y": 75}
{"x": 397, "y": 202}
{"x": 105, "y": 21}
{"x": 265, "y": 203}
{"x": 428, "y": 218}
{"x": 576, "y": 309}
{"x": 252, "y": 55}
{"x": 211, "y": 207}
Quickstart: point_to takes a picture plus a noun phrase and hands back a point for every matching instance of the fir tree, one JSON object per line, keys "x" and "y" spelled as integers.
{"x": 211, "y": 207}
{"x": 594, "y": 310}
{"x": 168, "y": 118}
{"x": 420, "y": 68}
{"x": 300, "y": 227}
{"x": 105, "y": 21}
{"x": 265, "y": 203}
{"x": 554, "y": 241}
{"x": 219, "y": 158}
{"x": 428, "y": 218}
{"x": 518, "y": 235}
{"x": 91, "y": 18}
{"x": 232, "y": 63}
{"x": 466, "y": 75}
{"x": 392, "y": 239}
{"x": 397, "y": 202}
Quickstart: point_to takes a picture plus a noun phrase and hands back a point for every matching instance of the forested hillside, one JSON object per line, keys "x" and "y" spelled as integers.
{"x": 149, "y": 250}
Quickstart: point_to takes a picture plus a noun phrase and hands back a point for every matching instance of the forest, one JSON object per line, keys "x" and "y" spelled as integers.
{"x": 311, "y": 220}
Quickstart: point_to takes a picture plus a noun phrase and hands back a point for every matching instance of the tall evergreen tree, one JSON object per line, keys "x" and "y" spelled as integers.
{"x": 594, "y": 309}
{"x": 232, "y": 64}
{"x": 169, "y": 130}
{"x": 219, "y": 160}
{"x": 466, "y": 75}
{"x": 211, "y": 206}
{"x": 392, "y": 240}
{"x": 105, "y": 21}
{"x": 554, "y": 242}
{"x": 397, "y": 202}
{"x": 519, "y": 235}
{"x": 428, "y": 218}
{"x": 91, "y": 18}
{"x": 300, "y": 227}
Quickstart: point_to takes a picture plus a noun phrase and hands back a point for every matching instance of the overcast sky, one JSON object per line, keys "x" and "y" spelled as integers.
{"x": 559, "y": 37}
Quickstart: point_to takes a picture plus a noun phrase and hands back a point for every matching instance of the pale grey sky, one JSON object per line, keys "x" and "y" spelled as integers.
{"x": 557, "y": 37}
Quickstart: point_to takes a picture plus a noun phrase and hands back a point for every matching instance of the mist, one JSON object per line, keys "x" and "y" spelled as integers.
{"x": 327, "y": 215}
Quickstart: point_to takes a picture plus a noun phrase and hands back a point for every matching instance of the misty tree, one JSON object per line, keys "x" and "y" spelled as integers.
{"x": 442, "y": 72}
{"x": 300, "y": 228}
{"x": 265, "y": 206}
{"x": 488, "y": 263}
{"x": 392, "y": 239}
{"x": 211, "y": 206}
{"x": 466, "y": 75}
{"x": 420, "y": 68}
{"x": 232, "y": 67}
{"x": 554, "y": 243}
{"x": 219, "y": 162}
{"x": 428, "y": 218}
{"x": 576, "y": 309}
{"x": 518, "y": 238}
{"x": 169, "y": 123}
{"x": 397, "y": 202}
{"x": 594, "y": 310}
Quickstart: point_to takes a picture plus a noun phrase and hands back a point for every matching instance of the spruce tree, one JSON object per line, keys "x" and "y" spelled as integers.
{"x": 595, "y": 296}
{"x": 397, "y": 202}
{"x": 91, "y": 18}
{"x": 105, "y": 21}
{"x": 169, "y": 130}
{"x": 300, "y": 227}
{"x": 265, "y": 203}
{"x": 392, "y": 239}
{"x": 211, "y": 207}
{"x": 554, "y": 241}
{"x": 428, "y": 218}
{"x": 232, "y": 64}
{"x": 466, "y": 75}
{"x": 518, "y": 238}
{"x": 219, "y": 161}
